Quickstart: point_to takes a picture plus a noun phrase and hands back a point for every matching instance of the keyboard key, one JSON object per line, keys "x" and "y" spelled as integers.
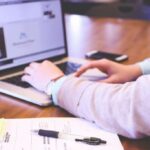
{"x": 17, "y": 81}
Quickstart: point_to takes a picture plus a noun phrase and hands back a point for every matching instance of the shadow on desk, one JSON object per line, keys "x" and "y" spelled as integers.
{"x": 140, "y": 144}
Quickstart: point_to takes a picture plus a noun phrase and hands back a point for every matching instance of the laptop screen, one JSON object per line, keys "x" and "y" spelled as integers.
{"x": 30, "y": 30}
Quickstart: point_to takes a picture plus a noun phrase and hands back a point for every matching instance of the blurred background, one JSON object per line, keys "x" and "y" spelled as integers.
{"x": 134, "y": 9}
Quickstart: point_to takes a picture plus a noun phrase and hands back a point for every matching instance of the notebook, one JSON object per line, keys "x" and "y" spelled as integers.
{"x": 30, "y": 30}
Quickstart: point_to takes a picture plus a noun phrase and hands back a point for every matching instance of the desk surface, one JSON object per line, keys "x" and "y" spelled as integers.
{"x": 129, "y": 37}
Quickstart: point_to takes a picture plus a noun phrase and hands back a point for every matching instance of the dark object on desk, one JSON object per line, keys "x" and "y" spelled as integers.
{"x": 95, "y": 55}
{"x": 91, "y": 141}
{"x": 133, "y": 9}
{"x": 48, "y": 133}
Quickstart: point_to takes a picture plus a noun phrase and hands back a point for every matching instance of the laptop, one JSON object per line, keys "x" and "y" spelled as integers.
{"x": 30, "y": 30}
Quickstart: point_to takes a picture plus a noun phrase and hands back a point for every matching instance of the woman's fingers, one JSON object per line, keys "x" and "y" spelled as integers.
{"x": 102, "y": 65}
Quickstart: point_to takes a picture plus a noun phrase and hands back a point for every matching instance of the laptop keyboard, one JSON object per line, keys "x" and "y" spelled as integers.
{"x": 67, "y": 68}
{"x": 17, "y": 81}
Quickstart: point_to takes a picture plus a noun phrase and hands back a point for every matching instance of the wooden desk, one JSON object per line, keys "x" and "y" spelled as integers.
{"x": 131, "y": 37}
{"x": 85, "y": 34}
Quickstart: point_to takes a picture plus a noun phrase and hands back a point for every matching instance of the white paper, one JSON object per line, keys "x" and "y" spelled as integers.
{"x": 19, "y": 135}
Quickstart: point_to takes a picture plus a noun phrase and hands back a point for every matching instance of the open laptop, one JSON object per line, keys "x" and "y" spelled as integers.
{"x": 30, "y": 30}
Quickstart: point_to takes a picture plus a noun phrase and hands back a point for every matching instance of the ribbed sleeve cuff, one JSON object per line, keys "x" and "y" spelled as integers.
{"x": 145, "y": 66}
{"x": 56, "y": 88}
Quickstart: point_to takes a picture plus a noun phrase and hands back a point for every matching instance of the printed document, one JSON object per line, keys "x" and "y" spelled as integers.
{"x": 18, "y": 134}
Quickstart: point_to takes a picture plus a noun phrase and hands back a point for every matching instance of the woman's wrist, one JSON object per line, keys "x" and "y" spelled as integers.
{"x": 50, "y": 84}
{"x": 135, "y": 71}
{"x": 53, "y": 87}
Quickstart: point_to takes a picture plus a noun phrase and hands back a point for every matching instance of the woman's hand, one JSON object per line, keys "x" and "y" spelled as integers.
{"x": 40, "y": 74}
{"x": 117, "y": 73}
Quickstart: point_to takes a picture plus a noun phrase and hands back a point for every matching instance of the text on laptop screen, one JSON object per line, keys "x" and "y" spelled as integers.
{"x": 30, "y": 30}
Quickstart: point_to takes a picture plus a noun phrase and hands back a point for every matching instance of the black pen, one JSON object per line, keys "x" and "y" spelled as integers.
{"x": 56, "y": 134}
